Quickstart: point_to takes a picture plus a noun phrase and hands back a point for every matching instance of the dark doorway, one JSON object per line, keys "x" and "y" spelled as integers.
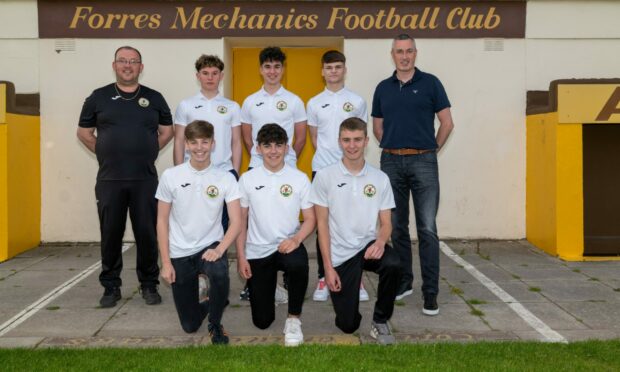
{"x": 601, "y": 189}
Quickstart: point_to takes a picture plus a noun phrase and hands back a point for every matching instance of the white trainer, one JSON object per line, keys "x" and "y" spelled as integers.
{"x": 363, "y": 293}
{"x": 292, "y": 332}
{"x": 281, "y": 296}
{"x": 321, "y": 293}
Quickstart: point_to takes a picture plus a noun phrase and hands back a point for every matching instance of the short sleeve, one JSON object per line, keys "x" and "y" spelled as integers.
{"x": 164, "y": 192}
{"x": 387, "y": 196}
{"x": 376, "y": 103}
{"x": 318, "y": 192}
{"x": 235, "y": 115}
{"x": 88, "y": 116}
{"x": 246, "y": 111}
{"x": 313, "y": 120}
{"x": 244, "y": 197}
{"x": 165, "y": 115}
{"x": 180, "y": 115}
{"x": 305, "y": 193}
{"x": 232, "y": 188}
{"x": 441, "y": 97}
{"x": 362, "y": 113}
{"x": 299, "y": 113}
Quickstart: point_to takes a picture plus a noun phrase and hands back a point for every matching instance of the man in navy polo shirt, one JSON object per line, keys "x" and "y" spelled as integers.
{"x": 403, "y": 110}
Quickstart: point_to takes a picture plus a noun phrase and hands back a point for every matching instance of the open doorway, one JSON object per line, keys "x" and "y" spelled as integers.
{"x": 302, "y": 76}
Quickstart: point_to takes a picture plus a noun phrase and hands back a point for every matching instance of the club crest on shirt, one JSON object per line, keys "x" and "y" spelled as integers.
{"x": 222, "y": 109}
{"x": 212, "y": 191}
{"x": 370, "y": 190}
{"x": 143, "y": 102}
{"x": 348, "y": 107}
{"x": 281, "y": 105}
{"x": 286, "y": 190}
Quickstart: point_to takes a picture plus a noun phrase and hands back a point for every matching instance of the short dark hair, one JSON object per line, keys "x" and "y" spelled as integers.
{"x": 209, "y": 61}
{"x": 274, "y": 54}
{"x": 332, "y": 56}
{"x": 199, "y": 129}
{"x": 271, "y": 133}
{"x": 352, "y": 124}
{"x": 127, "y": 47}
{"x": 403, "y": 37}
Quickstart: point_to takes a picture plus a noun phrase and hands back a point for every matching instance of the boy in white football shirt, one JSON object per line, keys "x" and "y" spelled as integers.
{"x": 272, "y": 197}
{"x": 326, "y": 111}
{"x": 273, "y": 104}
{"x": 190, "y": 234}
{"x": 224, "y": 114}
{"x": 349, "y": 197}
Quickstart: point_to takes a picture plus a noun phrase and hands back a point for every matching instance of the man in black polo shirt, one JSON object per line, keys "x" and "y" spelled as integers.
{"x": 126, "y": 124}
{"x": 403, "y": 110}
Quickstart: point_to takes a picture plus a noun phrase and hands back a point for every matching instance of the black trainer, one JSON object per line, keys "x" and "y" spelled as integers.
{"x": 110, "y": 296}
{"x": 430, "y": 305}
{"x": 150, "y": 295}
{"x": 218, "y": 334}
{"x": 404, "y": 290}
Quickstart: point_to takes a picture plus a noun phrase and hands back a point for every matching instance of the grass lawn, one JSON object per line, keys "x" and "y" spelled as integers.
{"x": 498, "y": 356}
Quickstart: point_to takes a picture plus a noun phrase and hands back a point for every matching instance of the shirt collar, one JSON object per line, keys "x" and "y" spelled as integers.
{"x": 199, "y": 172}
{"x": 279, "y": 92}
{"x": 345, "y": 171}
{"x": 332, "y": 93}
{"x": 417, "y": 75}
{"x": 201, "y": 96}
{"x": 270, "y": 173}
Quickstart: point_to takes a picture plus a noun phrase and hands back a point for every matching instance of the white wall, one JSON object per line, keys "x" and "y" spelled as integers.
{"x": 571, "y": 39}
{"x": 482, "y": 167}
{"x": 19, "y": 61}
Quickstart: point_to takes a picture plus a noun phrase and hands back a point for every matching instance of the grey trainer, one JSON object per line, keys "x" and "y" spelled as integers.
{"x": 382, "y": 333}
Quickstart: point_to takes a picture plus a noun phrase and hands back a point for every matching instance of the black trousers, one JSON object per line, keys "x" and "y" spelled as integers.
{"x": 185, "y": 289}
{"x": 114, "y": 198}
{"x": 346, "y": 302}
{"x": 264, "y": 279}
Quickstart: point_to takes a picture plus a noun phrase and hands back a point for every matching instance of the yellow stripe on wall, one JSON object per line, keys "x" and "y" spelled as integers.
{"x": 584, "y": 102}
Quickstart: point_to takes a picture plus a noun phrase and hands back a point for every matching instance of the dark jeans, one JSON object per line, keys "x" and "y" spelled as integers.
{"x": 225, "y": 219}
{"x": 264, "y": 279}
{"x": 416, "y": 175}
{"x": 346, "y": 302}
{"x": 114, "y": 198}
{"x": 185, "y": 289}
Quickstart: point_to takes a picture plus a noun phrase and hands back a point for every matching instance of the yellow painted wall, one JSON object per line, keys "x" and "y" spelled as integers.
{"x": 4, "y": 208}
{"x": 569, "y": 197}
{"x": 554, "y": 186}
{"x": 541, "y": 181}
{"x": 302, "y": 76}
{"x": 20, "y": 184}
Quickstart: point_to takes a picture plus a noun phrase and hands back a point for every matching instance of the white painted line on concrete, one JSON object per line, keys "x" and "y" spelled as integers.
{"x": 549, "y": 334}
{"x": 39, "y": 304}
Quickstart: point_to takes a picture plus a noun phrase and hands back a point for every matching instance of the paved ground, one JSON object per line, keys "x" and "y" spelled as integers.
{"x": 490, "y": 290}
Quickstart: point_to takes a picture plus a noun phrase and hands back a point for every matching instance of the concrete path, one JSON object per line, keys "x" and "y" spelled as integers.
{"x": 489, "y": 290}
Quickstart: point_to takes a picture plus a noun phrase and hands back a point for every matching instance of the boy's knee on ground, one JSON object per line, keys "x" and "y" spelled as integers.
{"x": 262, "y": 323}
{"x": 350, "y": 325}
{"x": 190, "y": 327}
